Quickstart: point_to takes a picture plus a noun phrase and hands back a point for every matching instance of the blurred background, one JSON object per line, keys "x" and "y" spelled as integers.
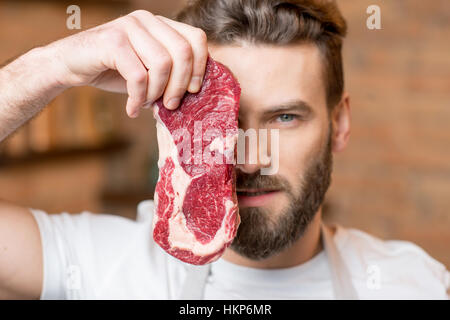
{"x": 393, "y": 181}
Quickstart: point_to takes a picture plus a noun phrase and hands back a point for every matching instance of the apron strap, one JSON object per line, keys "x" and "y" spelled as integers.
{"x": 340, "y": 276}
{"x": 194, "y": 285}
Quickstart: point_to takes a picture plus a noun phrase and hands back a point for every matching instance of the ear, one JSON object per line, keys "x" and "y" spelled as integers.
{"x": 340, "y": 118}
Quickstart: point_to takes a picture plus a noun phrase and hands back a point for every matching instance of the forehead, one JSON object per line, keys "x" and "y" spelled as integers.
{"x": 270, "y": 75}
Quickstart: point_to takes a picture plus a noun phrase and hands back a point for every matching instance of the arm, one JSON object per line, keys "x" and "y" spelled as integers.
{"x": 20, "y": 254}
{"x": 116, "y": 56}
{"x": 140, "y": 54}
{"x": 25, "y": 89}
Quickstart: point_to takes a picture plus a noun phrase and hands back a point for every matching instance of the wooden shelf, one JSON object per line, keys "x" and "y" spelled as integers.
{"x": 64, "y": 154}
{"x": 130, "y": 197}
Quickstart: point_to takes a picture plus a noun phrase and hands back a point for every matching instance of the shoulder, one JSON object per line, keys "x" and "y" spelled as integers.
{"x": 97, "y": 237}
{"x": 403, "y": 268}
{"x": 87, "y": 225}
{"x": 84, "y": 221}
{"x": 116, "y": 256}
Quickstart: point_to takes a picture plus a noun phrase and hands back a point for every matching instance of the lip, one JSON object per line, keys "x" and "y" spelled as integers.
{"x": 260, "y": 197}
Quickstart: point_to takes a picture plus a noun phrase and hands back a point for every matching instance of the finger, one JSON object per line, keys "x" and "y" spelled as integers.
{"x": 155, "y": 58}
{"x": 133, "y": 71}
{"x": 198, "y": 40}
{"x": 180, "y": 51}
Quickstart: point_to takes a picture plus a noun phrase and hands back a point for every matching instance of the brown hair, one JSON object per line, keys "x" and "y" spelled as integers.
{"x": 276, "y": 22}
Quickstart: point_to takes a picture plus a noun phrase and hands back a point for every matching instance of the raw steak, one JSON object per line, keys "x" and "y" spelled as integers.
{"x": 196, "y": 213}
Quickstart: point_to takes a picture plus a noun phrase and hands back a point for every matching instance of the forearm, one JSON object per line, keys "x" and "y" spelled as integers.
{"x": 27, "y": 85}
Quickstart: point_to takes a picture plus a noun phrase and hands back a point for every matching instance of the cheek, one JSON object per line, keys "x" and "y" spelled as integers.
{"x": 297, "y": 150}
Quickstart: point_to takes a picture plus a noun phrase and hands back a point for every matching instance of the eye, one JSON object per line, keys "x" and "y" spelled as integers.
{"x": 286, "y": 117}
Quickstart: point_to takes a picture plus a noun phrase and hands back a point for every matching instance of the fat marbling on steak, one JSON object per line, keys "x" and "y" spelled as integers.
{"x": 196, "y": 213}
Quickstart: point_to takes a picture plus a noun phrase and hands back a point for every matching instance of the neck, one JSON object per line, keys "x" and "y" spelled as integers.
{"x": 304, "y": 249}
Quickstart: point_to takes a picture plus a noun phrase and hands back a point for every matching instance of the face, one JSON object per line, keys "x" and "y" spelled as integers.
{"x": 283, "y": 89}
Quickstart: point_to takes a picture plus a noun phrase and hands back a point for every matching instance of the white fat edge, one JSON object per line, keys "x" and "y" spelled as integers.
{"x": 229, "y": 207}
{"x": 182, "y": 238}
{"x": 155, "y": 216}
{"x": 180, "y": 179}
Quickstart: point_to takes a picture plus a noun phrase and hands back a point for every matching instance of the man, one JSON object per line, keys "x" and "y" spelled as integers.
{"x": 287, "y": 58}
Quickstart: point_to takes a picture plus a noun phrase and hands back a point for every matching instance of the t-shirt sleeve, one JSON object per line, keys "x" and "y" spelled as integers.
{"x": 61, "y": 261}
{"x": 78, "y": 249}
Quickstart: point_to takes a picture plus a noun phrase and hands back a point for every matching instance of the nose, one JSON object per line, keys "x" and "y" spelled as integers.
{"x": 248, "y": 168}
{"x": 248, "y": 151}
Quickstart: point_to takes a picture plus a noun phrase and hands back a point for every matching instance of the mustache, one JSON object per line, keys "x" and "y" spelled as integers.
{"x": 257, "y": 181}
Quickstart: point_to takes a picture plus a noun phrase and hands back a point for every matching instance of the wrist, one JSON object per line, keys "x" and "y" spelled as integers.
{"x": 27, "y": 85}
{"x": 44, "y": 63}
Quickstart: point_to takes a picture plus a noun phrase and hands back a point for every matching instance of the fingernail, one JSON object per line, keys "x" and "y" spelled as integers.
{"x": 173, "y": 103}
{"x": 195, "y": 84}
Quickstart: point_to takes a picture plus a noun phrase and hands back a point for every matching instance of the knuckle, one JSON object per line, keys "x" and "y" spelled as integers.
{"x": 141, "y": 13}
{"x": 201, "y": 37}
{"x": 116, "y": 37}
{"x": 129, "y": 19}
{"x": 126, "y": 22}
{"x": 185, "y": 52}
{"x": 139, "y": 77}
{"x": 164, "y": 64}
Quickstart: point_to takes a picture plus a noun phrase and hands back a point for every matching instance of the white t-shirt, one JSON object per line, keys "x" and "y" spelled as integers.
{"x": 100, "y": 256}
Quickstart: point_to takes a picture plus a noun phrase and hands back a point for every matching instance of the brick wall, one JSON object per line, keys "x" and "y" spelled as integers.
{"x": 393, "y": 180}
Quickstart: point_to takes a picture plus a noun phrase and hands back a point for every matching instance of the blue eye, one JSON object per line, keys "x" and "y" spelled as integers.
{"x": 286, "y": 117}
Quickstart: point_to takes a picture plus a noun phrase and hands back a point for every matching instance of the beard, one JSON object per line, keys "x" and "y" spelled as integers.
{"x": 260, "y": 233}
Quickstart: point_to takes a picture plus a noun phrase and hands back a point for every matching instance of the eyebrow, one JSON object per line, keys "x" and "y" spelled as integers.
{"x": 296, "y": 105}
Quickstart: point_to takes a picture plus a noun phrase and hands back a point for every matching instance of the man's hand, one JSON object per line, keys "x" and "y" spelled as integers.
{"x": 140, "y": 54}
